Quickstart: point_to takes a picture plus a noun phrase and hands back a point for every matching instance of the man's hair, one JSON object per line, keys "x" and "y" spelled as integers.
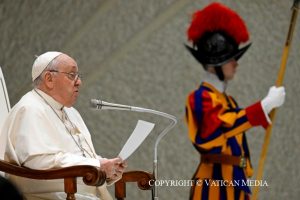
{"x": 51, "y": 66}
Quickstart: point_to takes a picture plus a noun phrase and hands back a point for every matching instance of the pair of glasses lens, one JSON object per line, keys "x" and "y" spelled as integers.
{"x": 71, "y": 75}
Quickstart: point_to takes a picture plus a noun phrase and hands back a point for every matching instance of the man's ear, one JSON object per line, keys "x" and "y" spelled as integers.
{"x": 48, "y": 80}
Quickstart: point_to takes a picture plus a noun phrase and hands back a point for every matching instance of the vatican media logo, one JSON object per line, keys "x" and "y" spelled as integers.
{"x": 208, "y": 182}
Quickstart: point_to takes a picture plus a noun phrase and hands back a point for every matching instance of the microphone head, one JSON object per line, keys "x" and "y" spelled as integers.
{"x": 95, "y": 103}
{"x": 103, "y": 105}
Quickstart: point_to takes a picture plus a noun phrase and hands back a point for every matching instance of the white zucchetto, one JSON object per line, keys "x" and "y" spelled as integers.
{"x": 42, "y": 61}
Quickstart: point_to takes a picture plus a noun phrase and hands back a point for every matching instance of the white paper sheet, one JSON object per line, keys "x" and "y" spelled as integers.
{"x": 139, "y": 134}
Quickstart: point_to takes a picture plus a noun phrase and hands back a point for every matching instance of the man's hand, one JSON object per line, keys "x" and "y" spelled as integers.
{"x": 274, "y": 99}
{"x": 113, "y": 168}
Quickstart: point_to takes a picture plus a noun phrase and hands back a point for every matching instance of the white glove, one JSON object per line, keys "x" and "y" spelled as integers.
{"x": 274, "y": 99}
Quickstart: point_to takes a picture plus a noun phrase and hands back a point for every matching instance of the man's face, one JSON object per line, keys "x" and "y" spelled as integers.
{"x": 229, "y": 69}
{"x": 66, "y": 81}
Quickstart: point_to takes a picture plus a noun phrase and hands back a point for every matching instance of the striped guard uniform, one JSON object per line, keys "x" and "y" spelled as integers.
{"x": 216, "y": 125}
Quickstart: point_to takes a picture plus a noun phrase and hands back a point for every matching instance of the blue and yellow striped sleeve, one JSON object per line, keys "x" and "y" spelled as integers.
{"x": 211, "y": 121}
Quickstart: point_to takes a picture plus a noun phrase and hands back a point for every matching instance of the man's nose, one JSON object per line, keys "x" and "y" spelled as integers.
{"x": 78, "y": 81}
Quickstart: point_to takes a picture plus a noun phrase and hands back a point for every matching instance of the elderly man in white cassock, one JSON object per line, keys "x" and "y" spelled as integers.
{"x": 44, "y": 131}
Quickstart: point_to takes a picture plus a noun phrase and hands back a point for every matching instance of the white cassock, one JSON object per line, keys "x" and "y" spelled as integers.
{"x": 39, "y": 136}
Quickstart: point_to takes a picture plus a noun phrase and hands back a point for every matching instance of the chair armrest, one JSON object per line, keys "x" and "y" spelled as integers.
{"x": 141, "y": 177}
{"x": 91, "y": 175}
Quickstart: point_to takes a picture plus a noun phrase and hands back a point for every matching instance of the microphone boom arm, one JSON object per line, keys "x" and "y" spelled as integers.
{"x": 98, "y": 104}
{"x": 158, "y": 139}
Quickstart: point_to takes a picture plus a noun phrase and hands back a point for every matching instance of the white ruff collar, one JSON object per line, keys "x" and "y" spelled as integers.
{"x": 213, "y": 80}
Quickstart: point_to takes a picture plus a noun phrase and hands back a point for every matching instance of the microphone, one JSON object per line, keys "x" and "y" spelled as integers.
{"x": 102, "y": 105}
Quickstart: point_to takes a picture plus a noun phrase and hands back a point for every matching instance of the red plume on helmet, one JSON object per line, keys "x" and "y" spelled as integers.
{"x": 216, "y": 33}
{"x": 217, "y": 17}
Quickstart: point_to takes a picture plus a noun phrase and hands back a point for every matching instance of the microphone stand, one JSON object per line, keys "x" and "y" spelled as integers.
{"x": 160, "y": 136}
{"x": 98, "y": 104}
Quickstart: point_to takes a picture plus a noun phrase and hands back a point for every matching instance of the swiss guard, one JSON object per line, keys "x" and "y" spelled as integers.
{"x": 216, "y": 124}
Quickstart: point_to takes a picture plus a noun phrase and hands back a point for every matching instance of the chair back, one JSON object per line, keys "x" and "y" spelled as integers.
{"x": 4, "y": 110}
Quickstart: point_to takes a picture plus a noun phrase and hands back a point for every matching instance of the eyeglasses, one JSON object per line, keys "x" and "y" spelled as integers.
{"x": 71, "y": 75}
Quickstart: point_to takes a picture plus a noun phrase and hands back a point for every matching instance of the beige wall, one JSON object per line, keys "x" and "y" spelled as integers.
{"x": 132, "y": 52}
